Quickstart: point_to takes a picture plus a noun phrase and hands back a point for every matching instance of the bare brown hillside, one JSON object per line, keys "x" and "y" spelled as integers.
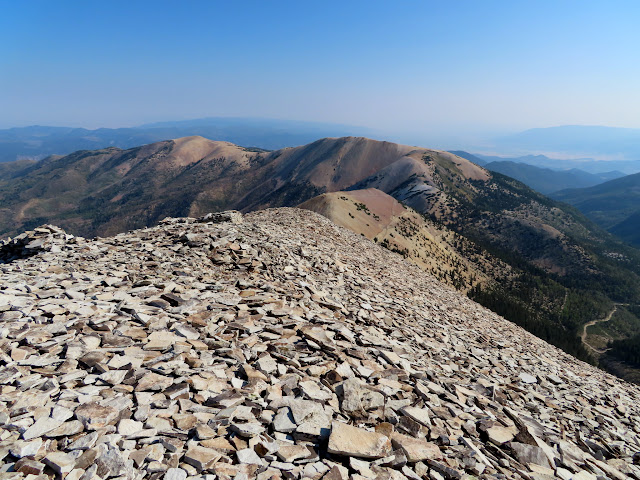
{"x": 381, "y": 218}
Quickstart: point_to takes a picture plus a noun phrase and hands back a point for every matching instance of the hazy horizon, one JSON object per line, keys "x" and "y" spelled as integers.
{"x": 453, "y": 70}
{"x": 310, "y": 131}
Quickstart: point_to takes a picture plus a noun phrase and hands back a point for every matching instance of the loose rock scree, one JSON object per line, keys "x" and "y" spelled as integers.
{"x": 278, "y": 345}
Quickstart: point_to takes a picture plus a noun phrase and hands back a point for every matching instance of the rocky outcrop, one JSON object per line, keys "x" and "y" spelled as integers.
{"x": 47, "y": 238}
{"x": 279, "y": 345}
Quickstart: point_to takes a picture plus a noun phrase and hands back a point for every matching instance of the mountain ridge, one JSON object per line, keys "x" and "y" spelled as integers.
{"x": 37, "y": 142}
{"x": 589, "y": 165}
{"x": 613, "y": 205}
{"x": 379, "y": 217}
{"x": 547, "y": 181}
{"x": 563, "y": 270}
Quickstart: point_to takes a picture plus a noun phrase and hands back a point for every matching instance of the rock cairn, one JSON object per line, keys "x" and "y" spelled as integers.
{"x": 279, "y": 345}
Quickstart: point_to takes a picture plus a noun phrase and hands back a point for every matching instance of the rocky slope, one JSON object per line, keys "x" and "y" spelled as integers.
{"x": 432, "y": 247}
{"x": 280, "y": 345}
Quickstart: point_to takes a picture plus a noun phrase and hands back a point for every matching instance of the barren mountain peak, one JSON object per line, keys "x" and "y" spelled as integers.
{"x": 188, "y": 150}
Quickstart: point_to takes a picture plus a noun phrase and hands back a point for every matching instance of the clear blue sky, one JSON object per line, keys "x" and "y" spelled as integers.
{"x": 405, "y": 66}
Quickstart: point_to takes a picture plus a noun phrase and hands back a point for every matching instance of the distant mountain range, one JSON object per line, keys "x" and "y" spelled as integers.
{"x": 544, "y": 180}
{"x": 535, "y": 261}
{"x": 610, "y": 199}
{"x": 623, "y": 167}
{"x": 37, "y": 142}
{"x": 547, "y": 181}
{"x": 614, "y": 205}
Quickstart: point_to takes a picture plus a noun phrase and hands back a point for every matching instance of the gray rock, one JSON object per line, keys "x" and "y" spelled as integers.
{"x": 416, "y": 449}
{"x": 175, "y": 474}
{"x": 41, "y": 427}
{"x": 251, "y": 429}
{"x": 111, "y": 464}
{"x": 529, "y": 454}
{"x": 283, "y": 421}
{"x": 420, "y": 415}
{"x": 22, "y": 449}
{"x": 527, "y": 378}
{"x": 248, "y": 456}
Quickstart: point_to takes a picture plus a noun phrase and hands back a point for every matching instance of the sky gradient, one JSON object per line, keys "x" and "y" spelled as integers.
{"x": 437, "y": 68}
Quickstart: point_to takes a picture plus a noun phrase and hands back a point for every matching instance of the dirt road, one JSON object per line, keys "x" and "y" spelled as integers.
{"x": 583, "y": 335}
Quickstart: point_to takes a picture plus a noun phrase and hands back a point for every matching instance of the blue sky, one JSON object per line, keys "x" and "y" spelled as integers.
{"x": 445, "y": 67}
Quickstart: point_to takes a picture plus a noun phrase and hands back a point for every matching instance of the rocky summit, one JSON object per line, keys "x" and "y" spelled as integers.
{"x": 279, "y": 345}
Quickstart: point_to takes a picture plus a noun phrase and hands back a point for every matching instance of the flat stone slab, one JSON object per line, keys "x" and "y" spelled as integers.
{"x": 357, "y": 442}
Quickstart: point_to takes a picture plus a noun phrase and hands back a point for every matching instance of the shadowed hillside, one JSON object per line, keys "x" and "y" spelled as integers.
{"x": 614, "y": 205}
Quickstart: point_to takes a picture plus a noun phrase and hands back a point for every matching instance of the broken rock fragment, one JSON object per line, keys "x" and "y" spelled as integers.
{"x": 416, "y": 449}
{"x": 357, "y": 442}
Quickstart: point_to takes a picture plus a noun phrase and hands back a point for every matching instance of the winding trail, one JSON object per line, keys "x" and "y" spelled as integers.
{"x": 583, "y": 335}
